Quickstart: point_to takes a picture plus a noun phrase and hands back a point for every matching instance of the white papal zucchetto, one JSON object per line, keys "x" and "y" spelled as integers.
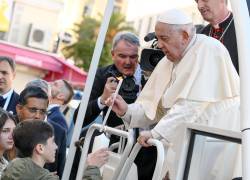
{"x": 174, "y": 16}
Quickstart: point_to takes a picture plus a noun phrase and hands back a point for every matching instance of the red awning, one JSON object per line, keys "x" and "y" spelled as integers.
{"x": 70, "y": 73}
{"x": 57, "y": 67}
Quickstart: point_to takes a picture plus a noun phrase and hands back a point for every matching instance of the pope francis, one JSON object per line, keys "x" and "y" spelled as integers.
{"x": 195, "y": 82}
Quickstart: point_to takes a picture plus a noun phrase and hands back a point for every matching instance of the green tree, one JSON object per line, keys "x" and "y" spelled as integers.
{"x": 81, "y": 51}
{"x": 87, "y": 32}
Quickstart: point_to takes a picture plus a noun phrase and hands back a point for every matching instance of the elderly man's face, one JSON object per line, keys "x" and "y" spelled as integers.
{"x": 125, "y": 57}
{"x": 211, "y": 9}
{"x": 170, "y": 41}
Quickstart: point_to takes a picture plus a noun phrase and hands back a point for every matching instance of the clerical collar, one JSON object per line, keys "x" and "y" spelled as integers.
{"x": 222, "y": 28}
{"x": 225, "y": 19}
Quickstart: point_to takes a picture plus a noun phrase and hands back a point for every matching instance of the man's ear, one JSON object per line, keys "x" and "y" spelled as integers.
{"x": 39, "y": 149}
{"x": 185, "y": 35}
{"x": 112, "y": 53}
{"x": 60, "y": 96}
{"x": 14, "y": 75}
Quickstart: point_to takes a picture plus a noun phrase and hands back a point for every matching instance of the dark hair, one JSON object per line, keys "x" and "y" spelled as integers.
{"x": 31, "y": 92}
{"x": 70, "y": 91}
{"x": 29, "y": 133}
{"x": 4, "y": 116}
{"x": 10, "y": 61}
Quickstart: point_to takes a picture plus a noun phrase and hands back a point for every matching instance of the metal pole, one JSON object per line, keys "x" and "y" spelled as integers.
{"x": 242, "y": 27}
{"x": 88, "y": 88}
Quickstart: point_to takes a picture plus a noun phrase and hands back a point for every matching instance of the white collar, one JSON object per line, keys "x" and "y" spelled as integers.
{"x": 9, "y": 93}
{"x": 52, "y": 106}
{"x": 137, "y": 75}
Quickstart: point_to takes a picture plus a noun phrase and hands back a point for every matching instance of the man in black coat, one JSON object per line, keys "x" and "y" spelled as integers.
{"x": 221, "y": 25}
{"x": 125, "y": 49}
{"x": 8, "y": 97}
{"x": 125, "y": 57}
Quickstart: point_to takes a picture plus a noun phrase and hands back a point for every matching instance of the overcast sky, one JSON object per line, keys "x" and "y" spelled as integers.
{"x": 142, "y": 7}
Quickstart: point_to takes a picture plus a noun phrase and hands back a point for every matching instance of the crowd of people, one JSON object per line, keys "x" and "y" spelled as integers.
{"x": 196, "y": 81}
{"x": 38, "y": 144}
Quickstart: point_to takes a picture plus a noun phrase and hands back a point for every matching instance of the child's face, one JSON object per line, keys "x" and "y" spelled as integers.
{"x": 50, "y": 150}
{"x": 6, "y": 138}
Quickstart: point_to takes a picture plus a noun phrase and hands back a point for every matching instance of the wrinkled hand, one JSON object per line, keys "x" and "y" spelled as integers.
{"x": 120, "y": 107}
{"x": 144, "y": 137}
{"x": 98, "y": 158}
{"x": 109, "y": 89}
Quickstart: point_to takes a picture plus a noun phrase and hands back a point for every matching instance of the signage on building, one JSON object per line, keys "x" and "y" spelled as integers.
{"x": 5, "y": 14}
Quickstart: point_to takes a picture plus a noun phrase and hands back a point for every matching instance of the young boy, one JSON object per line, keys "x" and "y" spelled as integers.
{"x": 35, "y": 142}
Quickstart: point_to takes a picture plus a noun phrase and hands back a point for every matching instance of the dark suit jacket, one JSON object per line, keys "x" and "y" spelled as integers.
{"x": 13, "y": 102}
{"x": 60, "y": 140}
{"x": 57, "y": 116}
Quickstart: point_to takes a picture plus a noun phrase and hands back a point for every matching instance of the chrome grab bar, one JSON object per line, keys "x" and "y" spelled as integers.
{"x": 130, "y": 141}
{"x": 159, "y": 163}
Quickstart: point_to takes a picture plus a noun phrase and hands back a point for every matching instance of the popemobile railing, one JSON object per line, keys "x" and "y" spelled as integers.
{"x": 129, "y": 135}
{"x": 158, "y": 173}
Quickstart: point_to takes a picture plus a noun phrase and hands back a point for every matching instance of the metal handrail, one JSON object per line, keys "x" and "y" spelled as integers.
{"x": 159, "y": 163}
{"x": 130, "y": 141}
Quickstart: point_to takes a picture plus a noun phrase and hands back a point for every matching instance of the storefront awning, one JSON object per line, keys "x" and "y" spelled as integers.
{"x": 71, "y": 73}
{"x": 56, "y": 67}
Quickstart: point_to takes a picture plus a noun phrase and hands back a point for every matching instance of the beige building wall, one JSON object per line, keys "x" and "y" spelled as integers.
{"x": 121, "y": 6}
{"x": 25, "y": 74}
{"x": 42, "y": 14}
{"x": 98, "y": 8}
{"x": 72, "y": 13}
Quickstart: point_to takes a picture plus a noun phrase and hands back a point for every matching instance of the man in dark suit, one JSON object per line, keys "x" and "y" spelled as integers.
{"x": 8, "y": 97}
{"x": 32, "y": 104}
{"x": 61, "y": 94}
{"x": 125, "y": 53}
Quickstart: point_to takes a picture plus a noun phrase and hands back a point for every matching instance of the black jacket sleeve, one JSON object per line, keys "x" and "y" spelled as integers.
{"x": 93, "y": 110}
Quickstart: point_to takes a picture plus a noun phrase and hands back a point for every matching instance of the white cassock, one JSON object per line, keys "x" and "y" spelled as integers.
{"x": 202, "y": 88}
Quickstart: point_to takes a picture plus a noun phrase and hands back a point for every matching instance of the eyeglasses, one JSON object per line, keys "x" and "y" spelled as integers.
{"x": 34, "y": 110}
